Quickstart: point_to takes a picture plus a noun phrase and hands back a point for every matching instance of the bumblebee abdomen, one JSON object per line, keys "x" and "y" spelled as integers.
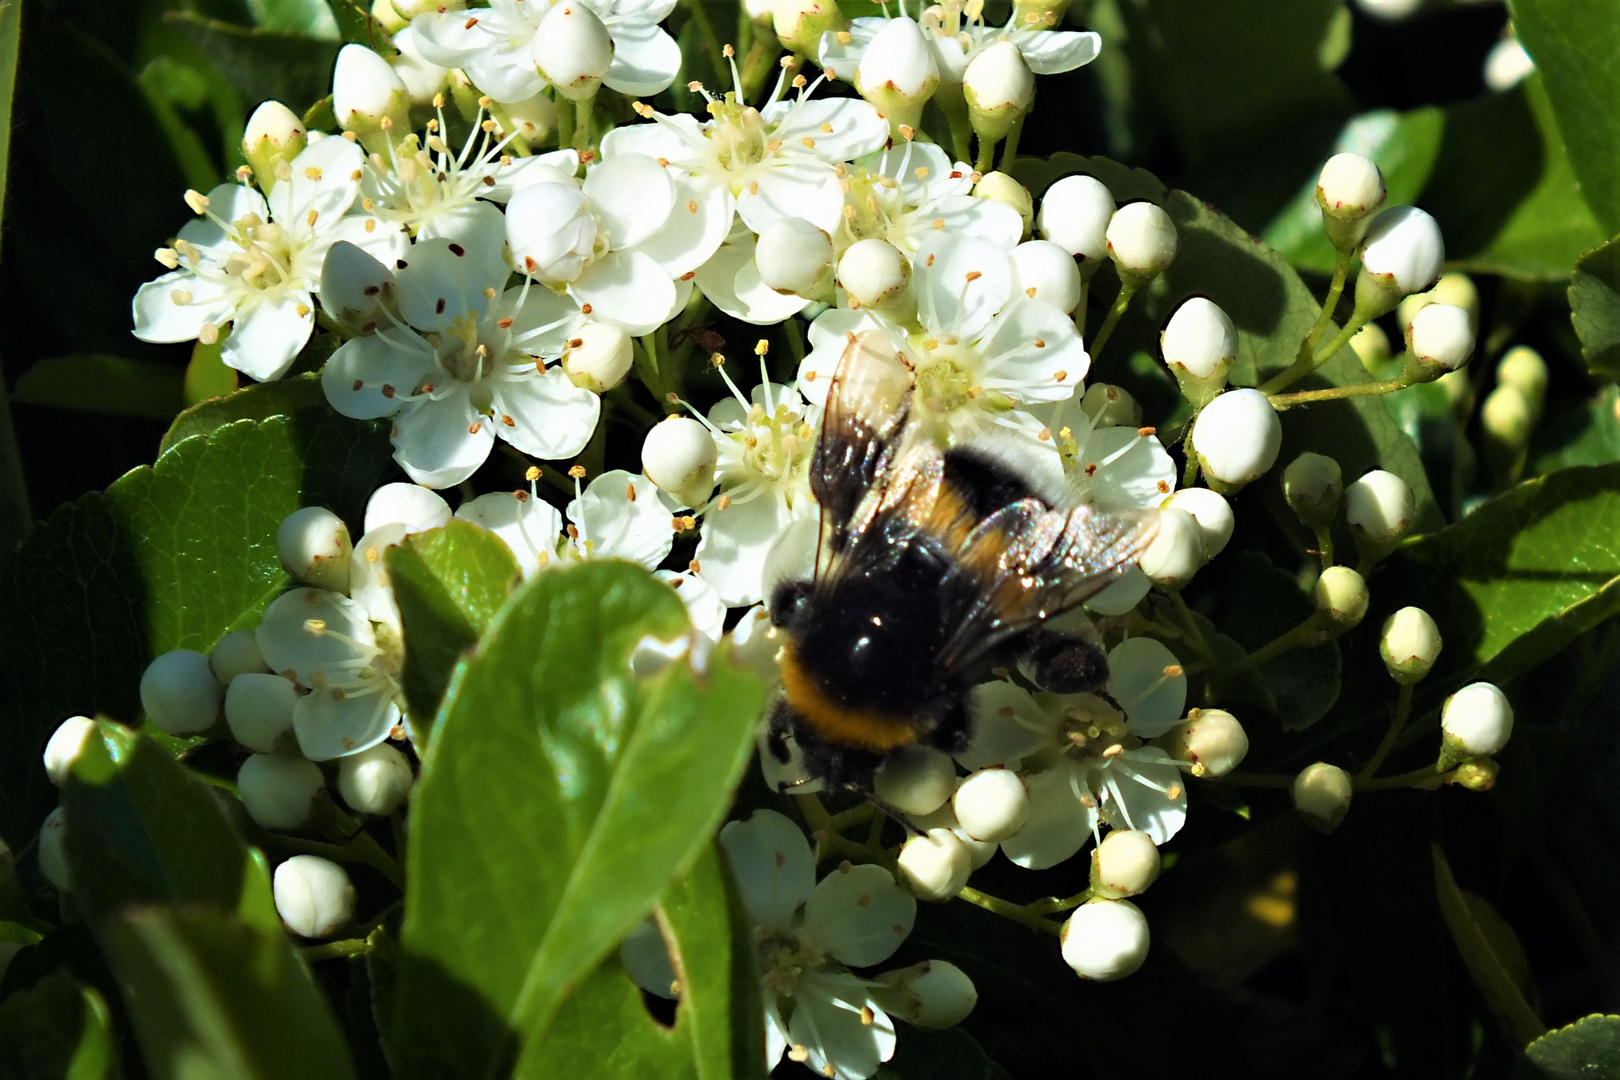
{"x": 823, "y": 709}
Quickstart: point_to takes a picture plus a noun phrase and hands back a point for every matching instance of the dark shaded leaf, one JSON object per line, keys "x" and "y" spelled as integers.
{"x": 292, "y": 68}
{"x": 57, "y": 1030}
{"x": 1588, "y": 1049}
{"x": 98, "y": 383}
{"x": 1594, "y": 302}
{"x": 1262, "y": 602}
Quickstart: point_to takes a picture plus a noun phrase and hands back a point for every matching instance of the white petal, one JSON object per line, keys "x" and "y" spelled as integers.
{"x": 1033, "y": 353}
{"x": 555, "y": 167}
{"x": 776, "y": 1033}
{"x": 369, "y": 583}
{"x": 703, "y": 605}
{"x": 340, "y": 721}
{"x": 1122, "y": 595}
{"x": 806, "y": 188}
{"x": 828, "y": 1023}
{"x": 159, "y": 317}
{"x": 1146, "y": 679}
{"x": 322, "y": 181}
{"x": 1130, "y": 468}
{"x": 948, "y": 302}
{"x": 829, "y": 336}
{"x": 841, "y": 128}
{"x": 735, "y": 543}
{"x": 628, "y": 288}
{"x": 696, "y": 227}
{"x": 479, "y": 228}
{"x": 1058, "y": 825}
{"x": 385, "y": 242}
{"x": 967, "y": 215}
{"x": 771, "y": 862}
{"x": 266, "y": 336}
{"x": 441, "y": 443}
{"x": 310, "y": 633}
{"x": 905, "y": 161}
{"x": 529, "y": 525}
{"x": 1145, "y": 781}
{"x": 672, "y": 137}
{"x": 646, "y": 960}
{"x": 631, "y": 195}
{"x": 230, "y": 203}
{"x": 839, "y": 53}
{"x": 1051, "y": 52}
{"x": 859, "y": 915}
{"x": 620, "y": 516}
{"x": 551, "y": 418}
{"x": 416, "y": 507}
{"x": 444, "y": 38}
{"x": 645, "y": 60}
{"x": 543, "y": 322}
{"x": 1008, "y": 725}
{"x": 388, "y": 367}
{"x": 438, "y": 286}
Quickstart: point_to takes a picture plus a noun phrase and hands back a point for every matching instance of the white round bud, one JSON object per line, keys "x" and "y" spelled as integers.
{"x": 1321, "y": 794}
{"x": 1075, "y": 213}
{"x": 1212, "y": 739}
{"x": 933, "y": 995}
{"x": 1390, "y": 10}
{"x": 1105, "y": 940}
{"x": 1313, "y": 486}
{"x": 599, "y": 356}
{"x": 65, "y": 746}
{"x": 52, "y": 850}
{"x": 179, "y": 692}
{"x": 237, "y": 653}
{"x": 1507, "y": 65}
{"x": 573, "y": 50}
{"x": 1410, "y": 644}
{"x": 278, "y": 791}
{"x": 1176, "y": 553}
{"x": 1111, "y": 406}
{"x": 1506, "y": 418}
{"x": 679, "y": 456}
{"x": 1044, "y": 271}
{"x": 1142, "y": 239}
{"x": 274, "y": 134}
{"x": 423, "y": 79}
{"x": 1477, "y": 719}
{"x": 1403, "y": 249}
{"x": 1341, "y": 596}
{"x": 897, "y": 72}
{"x": 1124, "y": 864}
{"x": 1350, "y": 187}
{"x": 934, "y": 866}
{"x": 365, "y": 90}
{"x": 1212, "y": 512}
{"x": 979, "y": 851}
{"x": 1372, "y": 348}
{"x": 535, "y": 118}
{"x": 411, "y": 505}
{"x": 873, "y": 271}
{"x": 799, "y": 24}
{"x": 1380, "y": 507}
{"x": 314, "y": 896}
{"x": 259, "y": 710}
{"x": 1453, "y": 288}
{"x": 991, "y": 804}
{"x": 794, "y": 257}
{"x": 1522, "y": 368}
{"x": 1199, "y": 341}
{"x": 1441, "y": 337}
{"x": 375, "y": 781}
{"x": 314, "y": 546}
{"x": 916, "y": 780}
{"x": 998, "y": 187}
{"x": 999, "y": 87}
{"x": 1236, "y": 438}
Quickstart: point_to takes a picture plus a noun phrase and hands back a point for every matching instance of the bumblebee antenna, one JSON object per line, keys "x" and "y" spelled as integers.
{"x": 900, "y": 816}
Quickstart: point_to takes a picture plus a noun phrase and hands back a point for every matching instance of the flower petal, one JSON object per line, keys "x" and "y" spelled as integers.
{"x": 375, "y": 375}
{"x": 441, "y": 443}
{"x": 1051, "y": 52}
{"x": 343, "y": 720}
{"x": 307, "y": 634}
{"x": 966, "y": 215}
{"x": 1122, "y": 595}
{"x": 1125, "y": 468}
{"x": 965, "y": 284}
{"x": 842, "y": 129}
{"x": 628, "y": 288}
{"x": 267, "y": 334}
{"x": 546, "y": 416}
{"x": 859, "y": 915}
{"x": 704, "y": 608}
{"x": 772, "y": 864}
{"x": 1058, "y": 824}
{"x": 1146, "y": 679}
{"x": 806, "y": 188}
{"x": 176, "y": 305}
{"x": 530, "y": 526}
{"x": 696, "y": 227}
{"x": 631, "y": 195}
{"x": 321, "y": 185}
{"x": 646, "y": 960}
{"x": 1033, "y": 352}
{"x": 1153, "y": 794}
{"x": 479, "y": 228}
{"x": 731, "y": 280}
{"x": 735, "y": 543}
{"x": 830, "y": 1024}
{"x": 620, "y": 516}
{"x": 437, "y": 286}
{"x": 1008, "y": 725}
{"x": 645, "y": 60}
{"x": 829, "y": 336}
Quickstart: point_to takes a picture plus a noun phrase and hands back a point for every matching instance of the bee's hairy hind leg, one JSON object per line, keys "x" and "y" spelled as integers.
{"x": 1065, "y": 664}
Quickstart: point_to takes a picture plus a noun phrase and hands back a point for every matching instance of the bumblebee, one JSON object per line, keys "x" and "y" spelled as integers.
{"x": 931, "y": 565}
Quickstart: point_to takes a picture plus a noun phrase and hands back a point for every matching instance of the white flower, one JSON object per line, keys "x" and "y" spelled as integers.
{"x": 1074, "y": 214}
{"x": 467, "y": 369}
{"x": 621, "y": 515}
{"x": 679, "y": 456}
{"x": 1441, "y": 336}
{"x": 703, "y": 604}
{"x": 956, "y": 42}
{"x": 1350, "y": 187}
{"x": 1237, "y": 438}
{"x": 254, "y": 264}
{"x": 911, "y": 192}
{"x": 495, "y": 45}
{"x": 530, "y": 526}
{"x": 1105, "y": 940}
{"x": 1403, "y": 250}
{"x": 1380, "y": 507}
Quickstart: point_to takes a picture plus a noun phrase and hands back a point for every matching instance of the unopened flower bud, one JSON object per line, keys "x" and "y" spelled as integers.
{"x": 679, "y": 456}
{"x": 992, "y": 804}
{"x": 1350, "y": 187}
{"x": 1105, "y": 940}
{"x": 1142, "y": 239}
{"x": 423, "y": 79}
{"x": 1321, "y": 794}
{"x": 799, "y": 24}
{"x": 1341, "y": 597}
{"x": 1380, "y": 508}
{"x": 1400, "y": 255}
{"x": 534, "y": 118}
{"x": 1212, "y": 513}
{"x": 999, "y": 88}
{"x": 1000, "y": 188}
{"x": 1409, "y": 644}
{"x": 65, "y": 746}
{"x": 278, "y": 791}
{"x": 1124, "y": 864}
{"x": 1476, "y": 774}
{"x": 52, "y": 850}
{"x": 897, "y": 72}
{"x": 573, "y": 50}
{"x": 411, "y": 505}
{"x": 375, "y": 781}
{"x": 369, "y": 98}
{"x": 1044, "y": 271}
{"x": 314, "y": 546}
{"x": 259, "y": 711}
{"x": 598, "y": 357}
{"x": 237, "y": 653}
{"x": 1476, "y": 721}
{"x": 1372, "y": 348}
{"x": 1507, "y": 65}
{"x": 1176, "y": 553}
{"x": 916, "y": 780}
{"x": 932, "y": 995}
{"x": 979, "y": 851}
{"x": 1523, "y": 369}
{"x": 933, "y": 866}
{"x": 794, "y": 257}
{"x": 1111, "y": 406}
{"x": 1075, "y": 213}
{"x": 1506, "y": 422}
{"x": 1212, "y": 739}
{"x": 1199, "y": 345}
{"x": 1440, "y": 339}
{"x": 873, "y": 273}
{"x": 314, "y": 896}
{"x": 1236, "y": 438}
{"x": 1312, "y": 484}
{"x": 179, "y": 692}
{"x": 274, "y": 135}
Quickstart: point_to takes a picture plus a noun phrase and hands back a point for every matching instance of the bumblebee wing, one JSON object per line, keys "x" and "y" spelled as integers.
{"x": 868, "y": 405}
{"x": 1028, "y": 562}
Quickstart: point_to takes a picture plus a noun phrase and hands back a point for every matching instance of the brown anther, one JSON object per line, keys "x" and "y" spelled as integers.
{"x": 508, "y": 421}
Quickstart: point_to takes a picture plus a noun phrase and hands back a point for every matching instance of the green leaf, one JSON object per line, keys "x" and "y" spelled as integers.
{"x": 213, "y": 996}
{"x": 312, "y": 18}
{"x": 111, "y": 385}
{"x": 1585, "y": 434}
{"x": 1261, "y": 602}
{"x": 15, "y": 513}
{"x": 170, "y": 556}
{"x": 292, "y": 68}
{"x": 1588, "y": 1049}
{"x": 449, "y": 583}
{"x": 141, "y": 830}
{"x": 57, "y": 1030}
{"x": 207, "y": 377}
{"x": 1123, "y": 181}
{"x": 1574, "y": 43}
{"x": 1489, "y": 974}
{"x": 1519, "y": 578}
{"x": 560, "y": 797}
{"x": 257, "y": 402}
{"x": 1594, "y": 302}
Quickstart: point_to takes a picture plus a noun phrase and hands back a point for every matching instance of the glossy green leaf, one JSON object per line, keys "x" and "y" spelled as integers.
{"x": 1519, "y": 578}
{"x": 1261, "y": 602}
{"x": 1125, "y": 183}
{"x": 57, "y": 1030}
{"x": 97, "y": 383}
{"x": 560, "y": 797}
{"x": 170, "y": 556}
{"x": 293, "y": 68}
{"x": 14, "y": 509}
{"x": 604, "y": 1029}
{"x": 213, "y": 996}
{"x": 1588, "y": 1049}
{"x": 1594, "y": 302}
{"x": 257, "y": 402}
{"x": 1428, "y": 416}
{"x": 449, "y": 583}
{"x": 1492, "y": 978}
{"x": 1587, "y": 433}
{"x": 1574, "y": 43}
{"x": 140, "y": 830}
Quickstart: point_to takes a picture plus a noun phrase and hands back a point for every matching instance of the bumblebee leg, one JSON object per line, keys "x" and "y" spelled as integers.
{"x": 898, "y": 815}
{"x": 1065, "y": 664}
{"x": 777, "y": 730}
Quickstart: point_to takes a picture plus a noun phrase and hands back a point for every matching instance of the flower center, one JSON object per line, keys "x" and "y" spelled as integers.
{"x": 739, "y": 134}
{"x": 785, "y": 957}
{"x": 945, "y": 377}
{"x": 871, "y": 204}
{"x": 775, "y": 447}
{"x": 266, "y": 258}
